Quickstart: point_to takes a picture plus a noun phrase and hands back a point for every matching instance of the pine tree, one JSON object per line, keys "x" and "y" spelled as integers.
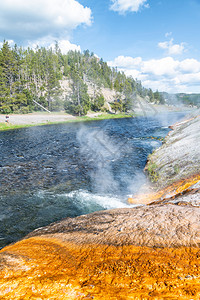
{"x": 28, "y": 75}
{"x": 79, "y": 102}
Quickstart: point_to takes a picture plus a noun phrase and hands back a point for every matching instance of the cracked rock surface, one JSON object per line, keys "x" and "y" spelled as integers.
{"x": 151, "y": 226}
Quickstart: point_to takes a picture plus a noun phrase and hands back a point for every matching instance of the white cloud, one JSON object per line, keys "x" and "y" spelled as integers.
{"x": 65, "y": 46}
{"x": 162, "y": 67}
{"x": 49, "y": 42}
{"x": 136, "y": 74}
{"x": 127, "y": 62}
{"x": 123, "y": 6}
{"x": 27, "y": 19}
{"x": 190, "y": 66}
{"x": 165, "y": 74}
{"x": 167, "y": 34}
{"x": 188, "y": 79}
{"x": 172, "y": 49}
{"x": 11, "y": 43}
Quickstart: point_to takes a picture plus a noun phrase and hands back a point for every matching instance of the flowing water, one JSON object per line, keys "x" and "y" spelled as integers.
{"x": 51, "y": 172}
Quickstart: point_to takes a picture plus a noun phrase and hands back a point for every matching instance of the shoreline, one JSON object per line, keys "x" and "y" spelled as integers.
{"x": 17, "y": 121}
{"x": 173, "y": 178}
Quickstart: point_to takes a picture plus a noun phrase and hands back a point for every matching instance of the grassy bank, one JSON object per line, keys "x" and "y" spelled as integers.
{"x": 104, "y": 117}
{"x": 9, "y": 126}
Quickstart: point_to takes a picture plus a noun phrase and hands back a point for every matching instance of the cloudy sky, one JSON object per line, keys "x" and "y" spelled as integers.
{"x": 155, "y": 41}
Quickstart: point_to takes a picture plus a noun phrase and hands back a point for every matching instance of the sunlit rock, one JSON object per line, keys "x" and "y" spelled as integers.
{"x": 174, "y": 167}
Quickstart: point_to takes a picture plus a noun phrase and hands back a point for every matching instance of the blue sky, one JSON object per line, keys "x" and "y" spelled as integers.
{"x": 155, "y": 41}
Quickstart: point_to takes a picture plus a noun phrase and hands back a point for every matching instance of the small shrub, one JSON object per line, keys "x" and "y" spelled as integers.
{"x": 176, "y": 169}
{"x": 152, "y": 171}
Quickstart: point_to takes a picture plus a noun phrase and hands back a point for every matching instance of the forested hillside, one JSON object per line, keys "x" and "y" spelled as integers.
{"x": 189, "y": 100}
{"x": 29, "y": 78}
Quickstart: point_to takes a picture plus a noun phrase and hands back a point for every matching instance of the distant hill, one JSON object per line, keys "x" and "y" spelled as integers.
{"x": 77, "y": 82}
{"x": 189, "y": 100}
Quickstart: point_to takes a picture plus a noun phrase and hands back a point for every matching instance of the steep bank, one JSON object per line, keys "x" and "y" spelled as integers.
{"x": 178, "y": 158}
{"x": 148, "y": 252}
{"x": 174, "y": 167}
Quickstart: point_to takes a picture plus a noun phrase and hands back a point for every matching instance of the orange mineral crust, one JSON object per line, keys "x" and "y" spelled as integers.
{"x": 175, "y": 190}
{"x": 49, "y": 268}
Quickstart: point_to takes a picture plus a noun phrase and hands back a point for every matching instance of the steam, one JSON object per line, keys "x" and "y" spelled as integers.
{"x": 143, "y": 107}
{"x": 139, "y": 184}
{"x": 99, "y": 150}
{"x": 106, "y": 155}
{"x": 172, "y": 100}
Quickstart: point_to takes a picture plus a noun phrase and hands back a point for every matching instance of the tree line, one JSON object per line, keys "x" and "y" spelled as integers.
{"x": 29, "y": 78}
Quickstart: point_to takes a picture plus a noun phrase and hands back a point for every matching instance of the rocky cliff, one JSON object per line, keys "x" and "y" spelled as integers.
{"x": 174, "y": 167}
{"x": 147, "y": 252}
{"x": 178, "y": 158}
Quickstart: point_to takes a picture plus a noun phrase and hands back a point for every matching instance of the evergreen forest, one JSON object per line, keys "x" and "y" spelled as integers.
{"x": 31, "y": 80}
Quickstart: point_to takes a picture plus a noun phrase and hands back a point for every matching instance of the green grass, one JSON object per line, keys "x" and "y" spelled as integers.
{"x": 152, "y": 171}
{"x": 103, "y": 116}
{"x": 7, "y": 126}
{"x": 176, "y": 169}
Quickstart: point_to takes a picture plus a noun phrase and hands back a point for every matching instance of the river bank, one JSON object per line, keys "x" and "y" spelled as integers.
{"x": 174, "y": 167}
{"x": 44, "y": 118}
{"x": 38, "y": 119}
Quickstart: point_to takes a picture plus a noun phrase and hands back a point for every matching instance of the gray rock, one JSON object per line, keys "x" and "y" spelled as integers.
{"x": 179, "y": 156}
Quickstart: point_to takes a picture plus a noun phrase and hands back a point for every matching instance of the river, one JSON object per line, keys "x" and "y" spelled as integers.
{"x": 51, "y": 172}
